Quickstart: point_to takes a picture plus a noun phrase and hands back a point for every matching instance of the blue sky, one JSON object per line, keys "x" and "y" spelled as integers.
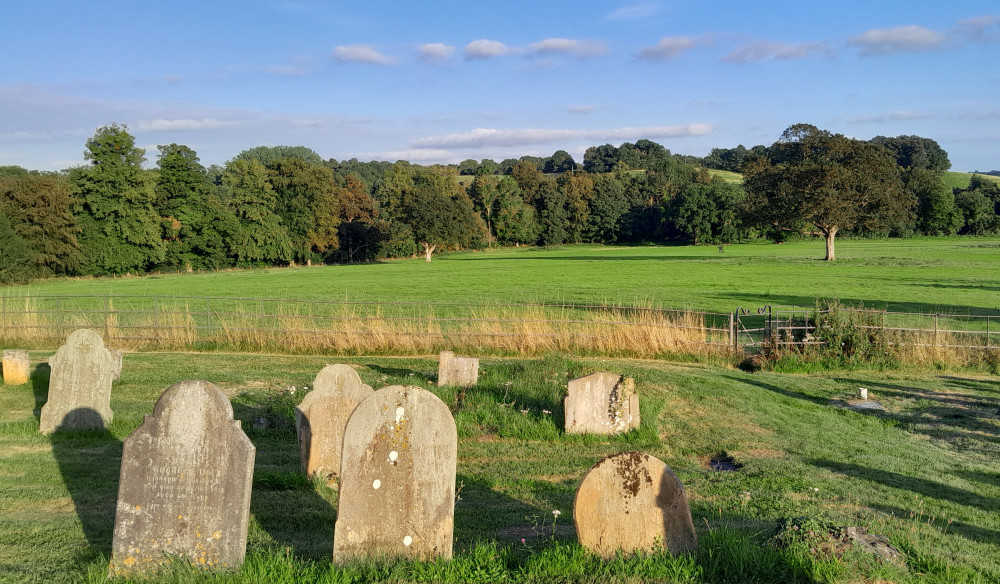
{"x": 442, "y": 81}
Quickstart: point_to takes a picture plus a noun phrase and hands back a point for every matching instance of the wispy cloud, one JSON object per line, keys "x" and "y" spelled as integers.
{"x": 633, "y": 11}
{"x": 582, "y": 109}
{"x": 669, "y": 47}
{"x": 188, "y": 124}
{"x": 984, "y": 28}
{"x": 581, "y": 49}
{"x": 902, "y": 115}
{"x": 415, "y": 155}
{"x": 771, "y": 50}
{"x": 901, "y": 39}
{"x": 487, "y": 138}
{"x": 434, "y": 53}
{"x": 485, "y": 49}
{"x": 361, "y": 54}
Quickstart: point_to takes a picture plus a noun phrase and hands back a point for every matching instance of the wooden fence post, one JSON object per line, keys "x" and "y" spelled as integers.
{"x": 732, "y": 331}
{"x": 935, "y": 330}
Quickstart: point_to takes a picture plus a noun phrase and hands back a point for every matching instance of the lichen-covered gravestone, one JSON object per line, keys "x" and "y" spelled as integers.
{"x": 632, "y": 502}
{"x": 16, "y": 367}
{"x": 79, "y": 385}
{"x": 457, "y": 371}
{"x": 322, "y": 416}
{"x": 185, "y": 482}
{"x": 601, "y": 403}
{"x": 397, "y": 482}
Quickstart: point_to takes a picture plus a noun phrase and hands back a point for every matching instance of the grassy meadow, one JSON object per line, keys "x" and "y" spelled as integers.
{"x": 948, "y": 275}
{"x": 923, "y": 473}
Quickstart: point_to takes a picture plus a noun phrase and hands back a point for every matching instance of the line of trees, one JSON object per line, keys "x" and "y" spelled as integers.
{"x": 286, "y": 205}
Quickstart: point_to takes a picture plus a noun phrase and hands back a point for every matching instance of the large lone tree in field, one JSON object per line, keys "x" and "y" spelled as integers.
{"x": 828, "y": 180}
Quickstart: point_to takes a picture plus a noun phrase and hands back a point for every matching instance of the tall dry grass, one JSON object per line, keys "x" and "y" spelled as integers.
{"x": 300, "y": 327}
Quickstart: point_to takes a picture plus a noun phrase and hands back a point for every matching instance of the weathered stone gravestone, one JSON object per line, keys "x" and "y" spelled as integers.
{"x": 116, "y": 364}
{"x": 458, "y": 371}
{"x": 632, "y": 502}
{"x": 80, "y": 381}
{"x": 322, "y": 416}
{"x": 184, "y": 488}
{"x": 601, "y": 403}
{"x": 397, "y": 483}
{"x": 16, "y": 367}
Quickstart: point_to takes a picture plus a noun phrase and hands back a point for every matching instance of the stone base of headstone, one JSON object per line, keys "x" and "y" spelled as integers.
{"x": 16, "y": 367}
{"x": 457, "y": 371}
{"x": 632, "y": 502}
{"x": 601, "y": 403}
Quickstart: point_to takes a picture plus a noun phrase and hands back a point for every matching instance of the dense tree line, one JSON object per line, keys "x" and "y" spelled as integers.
{"x": 286, "y": 205}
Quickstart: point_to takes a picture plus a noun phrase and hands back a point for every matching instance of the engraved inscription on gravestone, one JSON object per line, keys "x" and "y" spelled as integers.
{"x": 397, "y": 483}
{"x": 322, "y": 416}
{"x": 16, "y": 367}
{"x": 632, "y": 502}
{"x": 80, "y": 380}
{"x": 185, "y": 483}
{"x": 457, "y": 371}
{"x": 601, "y": 403}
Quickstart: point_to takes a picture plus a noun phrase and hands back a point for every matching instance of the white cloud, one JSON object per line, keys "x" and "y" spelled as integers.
{"x": 434, "y": 53}
{"x": 582, "y": 109}
{"x": 770, "y": 50}
{"x": 486, "y": 137}
{"x": 559, "y": 46}
{"x": 902, "y": 115}
{"x": 361, "y": 54}
{"x": 181, "y": 124}
{"x": 668, "y": 48}
{"x": 901, "y": 39}
{"x": 417, "y": 155}
{"x": 633, "y": 12}
{"x": 981, "y": 28}
{"x": 485, "y": 49}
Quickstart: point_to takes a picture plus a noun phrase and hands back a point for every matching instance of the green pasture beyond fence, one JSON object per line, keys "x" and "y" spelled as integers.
{"x": 200, "y": 322}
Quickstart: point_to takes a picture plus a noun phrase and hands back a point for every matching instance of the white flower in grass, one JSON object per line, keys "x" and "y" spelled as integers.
{"x": 556, "y": 513}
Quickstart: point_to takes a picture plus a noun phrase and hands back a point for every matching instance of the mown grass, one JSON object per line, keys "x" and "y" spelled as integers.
{"x": 923, "y": 473}
{"x": 947, "y": 275}
{"x": 960, "y": 180}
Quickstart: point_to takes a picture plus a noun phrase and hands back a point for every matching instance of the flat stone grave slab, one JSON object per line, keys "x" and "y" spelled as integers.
{"x": 184, "y": 488}
{"x": 397, "y": 483}
{"x": 601, "y": 403}
{"x": 457, "y": 371}
{"x": 322, "y": 416}
{"x": 16, "y": 367}
{"x": 79, "y": 385}
{"x": 632, "y": 502}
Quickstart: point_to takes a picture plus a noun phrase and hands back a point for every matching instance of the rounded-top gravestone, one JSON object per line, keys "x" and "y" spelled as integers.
{"x": 79, "y": 385}
{"x": 632, "y": 502}
{"x": 397, "y": 483}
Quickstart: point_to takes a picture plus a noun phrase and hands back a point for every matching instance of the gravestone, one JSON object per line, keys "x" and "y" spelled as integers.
{"x": 457, "y": 371}
{"x": 80, "y": 381}
{"x": 601, "y": 403}
{"x": 116, "y": 364}
{"x": 322, "y": 416}
{"x": 16, "y": 367}
{"x": 184, "y": 488}
{"x": 632, "y": 502}
{"x": 397, "y": 482}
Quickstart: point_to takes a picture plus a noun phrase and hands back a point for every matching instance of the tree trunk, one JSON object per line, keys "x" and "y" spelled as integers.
{"x": 830, "y": 234}
{"x": 428, "y": 250}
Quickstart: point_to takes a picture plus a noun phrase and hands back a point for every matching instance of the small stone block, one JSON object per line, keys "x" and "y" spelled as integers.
{"x": 79, "y": 385}
{"x": 16, "y": 367}
{"x": 397, "y": 483}
{"x": 184, "y": 488}
{"x": 632, "y": 502}
{"x": 457, "y": 371}
{"x": 601, "y": 403}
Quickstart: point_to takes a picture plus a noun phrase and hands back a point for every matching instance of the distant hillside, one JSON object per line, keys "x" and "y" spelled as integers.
{"x": 961, "y": 180}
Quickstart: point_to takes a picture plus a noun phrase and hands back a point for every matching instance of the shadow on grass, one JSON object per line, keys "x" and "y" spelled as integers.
{"x": 779, "y": 390}
{"x": 90, "y": 462}
{"x": 40, "y": 387}
{"x": 927, "y": 488}
{"x": 965, "y": 530}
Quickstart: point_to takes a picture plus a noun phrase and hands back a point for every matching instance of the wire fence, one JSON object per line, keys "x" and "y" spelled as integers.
{"x": 371, "y": 327}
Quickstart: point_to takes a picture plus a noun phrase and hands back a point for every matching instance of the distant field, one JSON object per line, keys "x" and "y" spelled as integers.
{"x": 948, "y": 275}
{"x": 730, "y": 177}
{"x": 961, "y": 180}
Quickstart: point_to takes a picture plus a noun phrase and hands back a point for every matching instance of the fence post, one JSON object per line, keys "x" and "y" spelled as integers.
{"x": 987, "y": 332}
{"x": 3, "y": 303}
{"x": 156, "y": 316}
{"x": 935, "y": 329}
{"x": 59, "y": 326}
{"x": 208, "y": 317}
{"x": 107, "y": 317}
{"x": 732, "y": 331}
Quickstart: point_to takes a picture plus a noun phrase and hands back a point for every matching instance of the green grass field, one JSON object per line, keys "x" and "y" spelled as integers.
{"x": 923, "y": 474}
{"x": 948, "y": 275}
{"x": 960, "y": 180}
